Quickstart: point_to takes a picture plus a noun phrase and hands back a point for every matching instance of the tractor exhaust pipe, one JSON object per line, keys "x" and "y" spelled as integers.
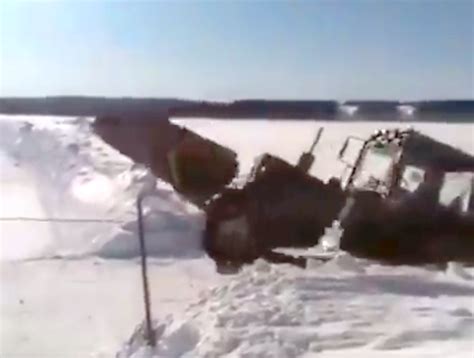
{"x": 307, "y": 158}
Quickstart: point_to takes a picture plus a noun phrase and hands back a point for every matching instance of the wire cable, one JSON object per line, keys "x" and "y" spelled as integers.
{"x": 63, "y": 220}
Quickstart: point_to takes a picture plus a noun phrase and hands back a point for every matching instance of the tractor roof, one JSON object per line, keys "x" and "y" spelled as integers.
{"x": 422, "y": 151}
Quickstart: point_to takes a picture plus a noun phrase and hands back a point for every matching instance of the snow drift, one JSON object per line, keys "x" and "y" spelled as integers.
{"x": 345, "y": 305}
{"x": 55, "y": 168}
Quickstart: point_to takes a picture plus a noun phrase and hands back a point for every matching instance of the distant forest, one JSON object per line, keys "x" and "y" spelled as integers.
{"x": 446, "y": 111}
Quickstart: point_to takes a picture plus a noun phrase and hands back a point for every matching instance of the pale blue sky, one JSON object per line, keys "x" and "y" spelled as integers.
{"x": 238, "y": 49}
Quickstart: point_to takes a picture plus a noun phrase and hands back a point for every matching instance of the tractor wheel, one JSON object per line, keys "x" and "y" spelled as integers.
{"x": 227, "y": 236}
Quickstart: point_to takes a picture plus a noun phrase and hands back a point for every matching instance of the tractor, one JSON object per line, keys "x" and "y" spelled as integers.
{"x": 382, "y": 214}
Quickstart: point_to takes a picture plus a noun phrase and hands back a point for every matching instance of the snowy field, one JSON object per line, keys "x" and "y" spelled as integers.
{"x": 72, "y": 289}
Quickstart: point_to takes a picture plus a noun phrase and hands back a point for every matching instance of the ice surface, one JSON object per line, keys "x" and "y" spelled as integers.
{"x": 74, "y": 289}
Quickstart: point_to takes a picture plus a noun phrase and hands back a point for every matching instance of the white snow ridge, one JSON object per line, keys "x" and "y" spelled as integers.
{"x": 280, "y": 311}
{"x": 73, "y": 289}
{"x": 57, "y": 168}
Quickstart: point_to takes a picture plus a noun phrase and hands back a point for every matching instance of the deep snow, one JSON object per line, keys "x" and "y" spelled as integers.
{"x": 339, "y": 308}
{"x": 73, "y": 289}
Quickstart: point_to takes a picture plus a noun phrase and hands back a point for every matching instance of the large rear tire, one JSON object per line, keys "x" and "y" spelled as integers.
{"x": 228, "y": 236}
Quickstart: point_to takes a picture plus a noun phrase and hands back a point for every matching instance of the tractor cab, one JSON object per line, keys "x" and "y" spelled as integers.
{"x": 395, "y": 163}
{"x": 394, "y": 188}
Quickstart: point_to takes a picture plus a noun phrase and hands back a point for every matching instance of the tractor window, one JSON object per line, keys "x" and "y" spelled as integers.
{"x": 375, "y": 170}
{"x": 412, "y": 178}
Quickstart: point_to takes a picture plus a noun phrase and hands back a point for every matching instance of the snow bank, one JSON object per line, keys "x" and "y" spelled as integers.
{"x": 168, "y": 234}
{"x": 279, "y": 311}
{"x": 57, "y": 168}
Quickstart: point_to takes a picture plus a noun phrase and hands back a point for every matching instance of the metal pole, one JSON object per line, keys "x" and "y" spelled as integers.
{"x": 316, "y": 139}
{"x": 150, "y": 334}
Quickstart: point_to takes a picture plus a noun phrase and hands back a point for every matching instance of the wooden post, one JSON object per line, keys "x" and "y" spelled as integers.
{"x": 150, "y": 334}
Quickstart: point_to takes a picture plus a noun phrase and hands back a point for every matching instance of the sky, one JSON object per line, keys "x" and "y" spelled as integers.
{"x": 231, "y": 49}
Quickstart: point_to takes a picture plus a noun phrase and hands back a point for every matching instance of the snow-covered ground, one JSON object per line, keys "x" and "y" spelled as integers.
{"x": 72, "y": 289}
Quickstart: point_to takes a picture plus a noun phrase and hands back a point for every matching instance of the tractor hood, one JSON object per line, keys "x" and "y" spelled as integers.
{"x": 196, "y": 167}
